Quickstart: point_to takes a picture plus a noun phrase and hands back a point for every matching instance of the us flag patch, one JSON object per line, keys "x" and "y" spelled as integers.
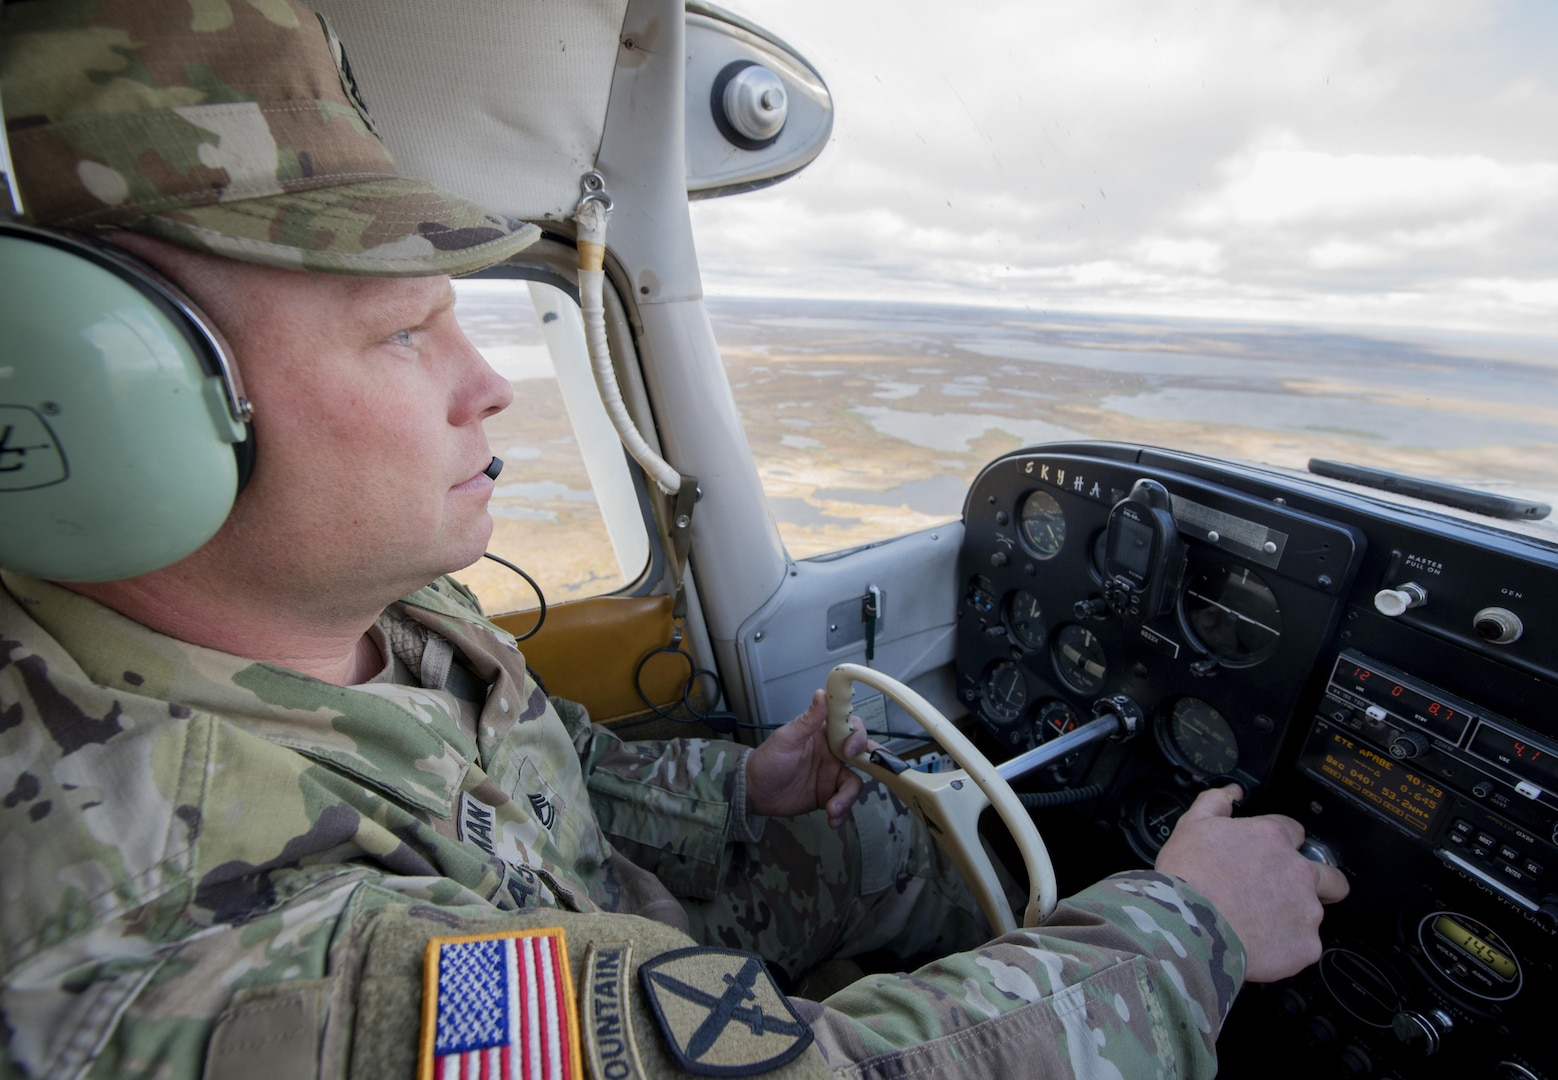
{"x": 499, "y": 1007}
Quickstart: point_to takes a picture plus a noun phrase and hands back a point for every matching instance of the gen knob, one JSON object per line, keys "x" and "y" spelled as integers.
{"x": 1498, "y": 625}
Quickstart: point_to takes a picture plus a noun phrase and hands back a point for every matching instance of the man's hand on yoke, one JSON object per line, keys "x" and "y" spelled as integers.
{"x": 794, "y": 772}
{"x": 1250, "y": 869}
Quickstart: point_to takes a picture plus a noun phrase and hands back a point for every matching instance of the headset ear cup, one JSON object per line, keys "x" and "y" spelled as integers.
{"x": 122, "y": 447}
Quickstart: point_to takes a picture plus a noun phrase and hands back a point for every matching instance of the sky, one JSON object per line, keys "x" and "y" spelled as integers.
{"x": 1371, "y": 162}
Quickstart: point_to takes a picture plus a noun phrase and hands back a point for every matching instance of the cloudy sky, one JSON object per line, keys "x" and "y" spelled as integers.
{"x": 1341, "y": 161}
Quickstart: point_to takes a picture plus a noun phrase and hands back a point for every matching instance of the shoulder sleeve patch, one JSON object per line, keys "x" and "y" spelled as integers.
{"x": 721, "y": 1012}
{"x": 499, "y": 1006}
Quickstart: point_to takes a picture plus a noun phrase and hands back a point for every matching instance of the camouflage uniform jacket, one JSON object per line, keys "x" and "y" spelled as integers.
{"x": 184, "y": 832}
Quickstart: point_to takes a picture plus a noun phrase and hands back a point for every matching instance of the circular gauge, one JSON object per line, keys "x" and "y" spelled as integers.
{"x": 1150, "y": 819}
{"x": 1056, "y": 718}
{"x": 1003, "y": 693}
{"x": 1043, "y": 523}
{"x": 1025, "y": 619}
{"x": 1197, "y": 738}
{"x": 1079, "y": 658}
{"x": 1233, "y": 613}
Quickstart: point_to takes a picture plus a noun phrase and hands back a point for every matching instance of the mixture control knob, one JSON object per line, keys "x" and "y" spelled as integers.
{"x": 1401, "y": 599}
{"x": 1408, "y": 744}
{"x": 1422, "y": 1032}
{"x": 1498, "y": 625}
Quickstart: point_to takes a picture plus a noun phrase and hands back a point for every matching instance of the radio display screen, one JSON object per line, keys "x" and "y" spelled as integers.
{"x": 1521, "y": 756}
{"x": 1373, "y": 778}
{"x": 1365, "y": 681}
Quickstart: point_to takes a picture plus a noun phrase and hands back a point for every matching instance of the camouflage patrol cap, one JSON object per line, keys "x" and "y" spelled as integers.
{"x": 229, "y": 126}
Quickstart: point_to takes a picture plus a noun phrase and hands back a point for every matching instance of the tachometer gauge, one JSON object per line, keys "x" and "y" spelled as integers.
{"x": 1043, "y": 524}
{"x": 1080, "y": 660}
{"x": 1003, "y": 693}
{"x": 1025, "y": 619}
{"x": 1197, "y": 738}
{"x": 1233, "y": 613}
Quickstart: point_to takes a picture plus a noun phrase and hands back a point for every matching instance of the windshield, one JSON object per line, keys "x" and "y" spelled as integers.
{"x": 1263, "y": 231}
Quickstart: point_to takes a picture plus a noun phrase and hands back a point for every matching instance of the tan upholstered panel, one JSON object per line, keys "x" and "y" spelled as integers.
{"x": 587, "y": 651}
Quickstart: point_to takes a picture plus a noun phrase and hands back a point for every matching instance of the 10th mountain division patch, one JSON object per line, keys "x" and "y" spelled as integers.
{"x": 721, "y": 1012}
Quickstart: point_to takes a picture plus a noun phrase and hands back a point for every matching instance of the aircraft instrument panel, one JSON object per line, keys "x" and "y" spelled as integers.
{"x": 1387, "y": 676}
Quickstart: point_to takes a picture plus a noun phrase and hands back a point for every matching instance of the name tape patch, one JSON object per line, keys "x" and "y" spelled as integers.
{"x": 499, "y": 1007}
{"x": 608, "y": 1021}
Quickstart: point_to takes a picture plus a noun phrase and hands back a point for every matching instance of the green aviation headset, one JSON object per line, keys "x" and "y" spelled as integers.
{"x": 123, "y": 436}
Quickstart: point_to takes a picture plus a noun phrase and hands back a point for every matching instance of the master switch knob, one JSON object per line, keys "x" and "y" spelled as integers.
{"x": 1401, "y": 599}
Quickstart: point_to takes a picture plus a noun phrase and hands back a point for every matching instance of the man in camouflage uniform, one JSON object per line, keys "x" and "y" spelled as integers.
{"x": 244, "y": 792}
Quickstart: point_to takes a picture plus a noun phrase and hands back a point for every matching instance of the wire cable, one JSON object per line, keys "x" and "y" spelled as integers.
{"x": 540, "y": 596}
{"x": 718, "y": 720}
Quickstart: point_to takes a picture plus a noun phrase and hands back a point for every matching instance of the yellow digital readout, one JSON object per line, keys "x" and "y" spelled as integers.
{"x": 1373, "y": 777}
{"x": 1473, "y": 946}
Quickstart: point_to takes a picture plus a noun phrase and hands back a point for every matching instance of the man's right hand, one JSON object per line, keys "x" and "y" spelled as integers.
{"x": 1252, "y": 872}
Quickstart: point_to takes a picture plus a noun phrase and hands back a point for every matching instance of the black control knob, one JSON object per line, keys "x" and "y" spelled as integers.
{"x": 1321, "y": 1032}
{"x": 1355, "y": 1062}
{"x": 1498, "y": 625}
{"x": 1096, "y": 608}
{"x": 1508, "y": 1070}
{"x": 1423, "y": 1032}
{"x": 1408, "y": 744}
{"x": 999, "y": 559}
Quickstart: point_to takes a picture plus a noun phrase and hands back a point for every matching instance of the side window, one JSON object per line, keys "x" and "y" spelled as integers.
{"x": 566, "y": 509}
